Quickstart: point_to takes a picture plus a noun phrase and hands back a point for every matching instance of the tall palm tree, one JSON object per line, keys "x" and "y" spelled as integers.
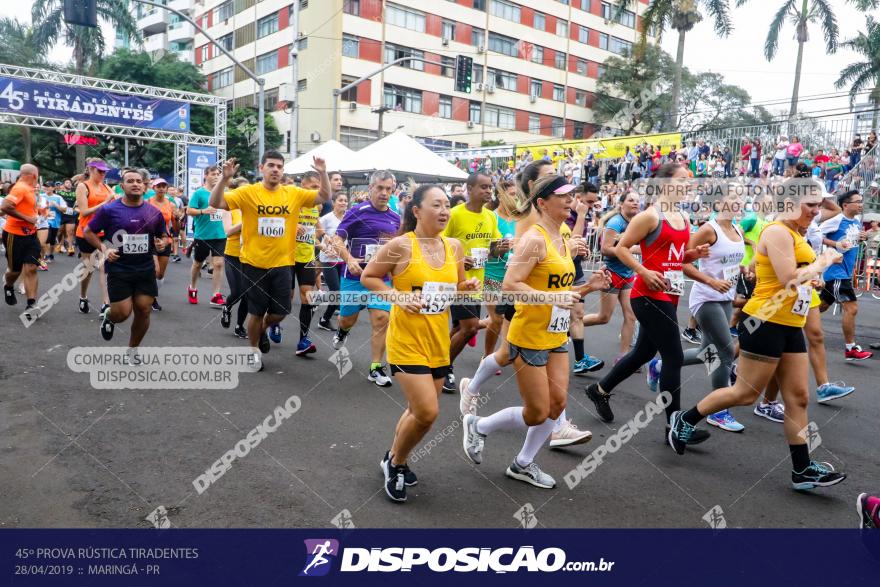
{"x": 862, "y": 75}
{"x": 680, "y": 16}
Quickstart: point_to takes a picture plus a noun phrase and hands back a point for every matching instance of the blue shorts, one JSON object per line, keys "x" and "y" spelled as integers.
{"x": 355, "y": 297}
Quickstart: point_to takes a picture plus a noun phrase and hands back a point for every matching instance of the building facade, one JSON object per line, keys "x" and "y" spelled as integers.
{"x": 163, "y": 31}
{"x": 536, "y": 64}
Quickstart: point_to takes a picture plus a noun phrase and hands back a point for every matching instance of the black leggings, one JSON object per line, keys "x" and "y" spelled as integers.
{"x": 658, "y": 331}
{"x": 235, "y": 277}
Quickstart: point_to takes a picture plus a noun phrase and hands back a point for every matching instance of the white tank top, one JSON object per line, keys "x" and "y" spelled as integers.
{"x": 723, "y": 262}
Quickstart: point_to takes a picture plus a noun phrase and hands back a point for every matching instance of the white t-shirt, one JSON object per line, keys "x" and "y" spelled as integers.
{"x": 782, "y": 150}
{"x": 329, "y": 223}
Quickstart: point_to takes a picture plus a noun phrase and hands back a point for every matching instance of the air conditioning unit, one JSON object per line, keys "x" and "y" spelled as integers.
{"x": 470, "y": 124}
{"x": 445, "y": 41}
{"x": 490, "y": 89}
{"x": 481, "y": 49}
{"x": 480, "y": 87}
{"x": 533, "y": 98}
{"x": 352, "y": 106}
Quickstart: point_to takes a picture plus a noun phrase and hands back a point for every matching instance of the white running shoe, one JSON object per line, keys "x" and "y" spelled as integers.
{"x": 468, "y": 402}
{"x": 569, "y": 435}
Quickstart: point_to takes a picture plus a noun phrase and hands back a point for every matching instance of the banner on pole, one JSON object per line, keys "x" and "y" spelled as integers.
{"x": 198, "y": 159}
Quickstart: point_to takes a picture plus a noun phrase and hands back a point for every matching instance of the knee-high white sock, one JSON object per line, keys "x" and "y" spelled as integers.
{"x": 506, "y": 419}
{"x": 485, "y": 371}
{"x": 159, "y": 283}
{"x": 535, "y": 439}
{"x": 560, "y": 422}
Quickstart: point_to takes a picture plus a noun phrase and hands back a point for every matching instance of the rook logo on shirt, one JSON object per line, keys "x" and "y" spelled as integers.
{"x": 558, "y": 281}
{"x": 277, "y": 210}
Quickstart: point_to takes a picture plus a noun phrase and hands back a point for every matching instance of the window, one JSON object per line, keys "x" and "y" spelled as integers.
{"x": 477, "y": 75}
{"x": 445, "y": 107}
{"x": 580, "y": 98}
{"x": 222, "y": 78}
{"x": 352, "y": 7}
{"x": 350, "y": 95}
{"x": 626, "y": 18}
{"x": 619, "y": 46}
{"x": 603, "y": 41}
{"x": 578, "y": 130}
{"x": 480, "y": 4}
{"x": 600, "y": 71}
{"x": 558, "y": 93}
{"x": 225, "y": 11}
{"x": 271, "y": 99}
{"x": 302, "y": 43}
{"x": 393, "y": 52}
{"x": 535, "y": 88}
{"x": 557, "y": 128}
{"x": 537, "y": 54}
{"x": 403, "y": 99}
{"x": 534, "y": 124}
{"x": 500, "y": 117}
{"x": 267, "y": 25}
{"x": 581, "y": 66}
{"x": 559, "y": 60}
{"x": 585, "y": 5}
{"x": 584, "y": 35}
{"x": 540, "y": 21}
{"x": 267, "y": 62}
{"x": 505, "y": 10}
{"x": 404, "y": 17}
{"x": 448, "y": 67}
{"x": 206, "y": 52}
{"x": 350, "y": 46}
{"x": 502, "y": 79}
{"x": 502, "y": 44}
{"x": 474, "y": 112}
{"x": 561, "y": 28}
{"x": 448, "y": 30}
{"x": 226, "y": 41}
{"x": 478, "y": 37}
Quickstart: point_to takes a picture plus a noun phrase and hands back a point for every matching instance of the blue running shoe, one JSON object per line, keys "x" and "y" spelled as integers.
{"x": 654, "y": 367}
{"x": 305, "y": 347}
{"x": 816, "y": 475}
{"x": 773, "y": 411}
{"x": 725, "y": 420}
{"x": 275, "y": 333}
{"x": 587, "y": 364}
{"x": 833, "y": 391}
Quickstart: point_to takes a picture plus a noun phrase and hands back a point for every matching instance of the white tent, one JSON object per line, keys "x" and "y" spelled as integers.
{"x": 406, "y": 157}
{"x": 334, "y": 153}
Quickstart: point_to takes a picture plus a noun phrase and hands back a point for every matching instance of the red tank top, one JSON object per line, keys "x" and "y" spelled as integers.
{"x": 662, "y": 251}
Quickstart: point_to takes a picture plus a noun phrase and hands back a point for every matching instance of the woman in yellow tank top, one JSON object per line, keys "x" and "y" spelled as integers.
{"x": 428, "y": 267}
{"x": 771, "y": 338}
{"x": 540, "y": 268}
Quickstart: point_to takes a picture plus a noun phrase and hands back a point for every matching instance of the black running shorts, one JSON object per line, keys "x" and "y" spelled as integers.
{"x": 21, "y": 250}
{"x": 768, "y": 339}
{"x": 268, "y": 290}
{"x": 122, "y": 285}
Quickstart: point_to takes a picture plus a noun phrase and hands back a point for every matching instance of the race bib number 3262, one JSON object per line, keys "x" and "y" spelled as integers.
{"x": 135, "y": 244}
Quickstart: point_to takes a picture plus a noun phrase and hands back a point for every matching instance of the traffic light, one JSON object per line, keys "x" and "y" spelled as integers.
{"x": 464, "y": 72}
{"x": 81, "y": 12}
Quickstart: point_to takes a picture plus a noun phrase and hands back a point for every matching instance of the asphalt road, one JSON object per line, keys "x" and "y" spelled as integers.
{"x": 76, "y": 456}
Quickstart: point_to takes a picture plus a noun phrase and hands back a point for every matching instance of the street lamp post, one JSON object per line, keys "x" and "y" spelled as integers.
{"x": 294, "y": 62}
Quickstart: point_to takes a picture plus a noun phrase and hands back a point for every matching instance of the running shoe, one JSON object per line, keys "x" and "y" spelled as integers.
{"x": 256, "y": 360}
{"x": 868, "y": 508}
{"x": 264, "y": 345}
{"x": 698, "y": 436}
{"x": 325, "y": 325}
{"x": 305, "y": 347}
{"x": 275, "y": 333}
{"x": 734, "y": 333}
{"x": 655, "y": 365}
{"x": 378, "y": 377}
{"x": 192, "y": 295}
{"x": 217, "y": 300}
{"x": 816, "y": 475}
{"x": 449, "y": 382}
{"x": 679, "y": 432}
{"x": 175, "y": 258}
{"x": 9, "y": 295}
{"x": 725, "y": 420}
{"x": 692, "y": 335}
{"x": 104, "y": 309}
{"x": 107, "y": 328}
{"x": 42, "y": 266}
{"x": 83, "y": 306}
{"x": 601, "y": 401}
{"x": 468, "y": 402}
{"x": 857, "y": 354}
{"x": 472, "y": 440}
{"x": 225, "y": 316}
{"x": 569, "y": 435}
{"x": 30, "y": 312}
{"x": 71, "y": 253}
{"x": 395, "y": 482}
{"x": 240, "y": 332}
{"x": 587, "y": 364}
{"x": 832, "y": 391}
{"x": 531, "y": 474}
{"x": 339, "y": 339}
{"x": 773, "y": 411}
{"x": 409, "y": 478}
{"x": 156, "y": 306}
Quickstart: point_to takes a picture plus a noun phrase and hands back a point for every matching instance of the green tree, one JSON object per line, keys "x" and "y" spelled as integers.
{"x": 862, "y": 75}
{"x": 241, "y": 136}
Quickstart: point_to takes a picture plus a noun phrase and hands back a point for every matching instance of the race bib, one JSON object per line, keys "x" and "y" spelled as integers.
{"x": 560, "y": 320}
{"x": 273, "y": 227}
{"x": 801, "y": 306}
{"x": 731, "y": 273}
{"x": 307, "y": 235}
{"x": 52, "y": 214}
{"x": 480, "y": 256}
{"x": 215, "y": 217}
{"x": 676, "y": 282}
{"x": 135, "y": 244}
{"x": 437, "y": 296}
{"x": 369, "y": 252}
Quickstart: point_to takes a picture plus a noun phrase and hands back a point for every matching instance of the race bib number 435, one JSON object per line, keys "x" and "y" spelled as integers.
{"x": 271, "y": 227}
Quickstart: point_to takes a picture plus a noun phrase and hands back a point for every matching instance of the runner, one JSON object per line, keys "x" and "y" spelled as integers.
{"x": 69, "y": 218}
{"x": 772, "y": 341}
{"x": 364, "y": 228}
{"x": 234, "y": 271}
{"x": 57, "y": 208}
{"x": 269, "y": 217}
{"x": 418, "y": 336}
{"x": 331, "y": 262}
{"x": 20, "y": 238}
{"x": 504, "y": 207}
{"x": 42, "y": 229}
{"x": 91, "y": 194}
{"x": 135, "y": 232}
{"x": 208, "y": 239}
{"x": 662, "y": 231}
{"x": 844, "y": 232}
{"x": 541, "y": 263}
{"x": 164, "y": 205}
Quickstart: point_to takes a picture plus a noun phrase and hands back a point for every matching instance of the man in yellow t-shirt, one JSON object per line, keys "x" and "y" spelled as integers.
{"x": 270, "y": 215}
{"x": 477, "y": 229}
{"x": 304, "y": 271}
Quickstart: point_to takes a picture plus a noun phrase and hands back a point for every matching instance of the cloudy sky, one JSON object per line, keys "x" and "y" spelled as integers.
{"x": 739, "y": 57}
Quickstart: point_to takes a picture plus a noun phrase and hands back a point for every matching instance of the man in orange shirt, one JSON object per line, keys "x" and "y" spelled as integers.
{"x": 20, "y": 236}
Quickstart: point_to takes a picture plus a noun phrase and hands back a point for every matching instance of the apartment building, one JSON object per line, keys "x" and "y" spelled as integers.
{"x": 164, "y": 31}
{"x": 536, "y": 63}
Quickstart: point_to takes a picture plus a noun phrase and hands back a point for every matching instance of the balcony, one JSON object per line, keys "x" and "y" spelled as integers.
{"x": 157, "y": 42}
{"x": 181, "y": 32}
{"x": 182, "y": 5}
{"x": 186, "y": 56}
{"x": 154, "y": 21}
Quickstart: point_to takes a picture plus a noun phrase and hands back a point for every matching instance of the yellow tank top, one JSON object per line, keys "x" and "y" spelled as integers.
{"x": 544, "y": 327}
{"x": 233, "y": 243}
{"x": 771, "y": 302}
{"x": 422, "y": 339}
{"x": 305, "y": 234}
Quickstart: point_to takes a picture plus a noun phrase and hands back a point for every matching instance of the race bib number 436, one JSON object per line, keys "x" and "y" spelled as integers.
{"x": 271, "y": 227}
{"x": 560, "y": 320}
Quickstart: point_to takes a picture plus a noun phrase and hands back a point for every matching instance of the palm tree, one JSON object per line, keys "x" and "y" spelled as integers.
{"x": 862, "y": 75}
{"x": 680, "y": 16}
